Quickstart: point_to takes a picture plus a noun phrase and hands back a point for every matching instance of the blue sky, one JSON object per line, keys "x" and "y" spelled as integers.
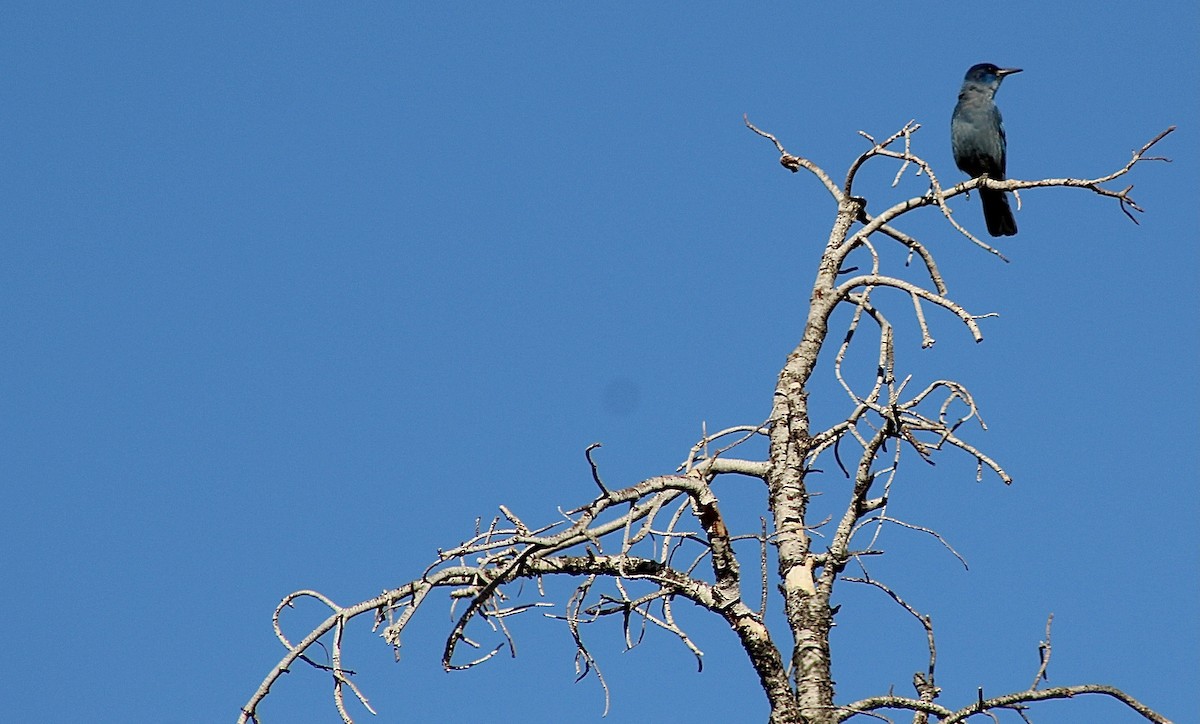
{"x": 292, "y": 294}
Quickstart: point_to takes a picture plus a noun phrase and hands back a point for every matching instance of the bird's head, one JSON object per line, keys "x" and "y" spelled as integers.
{"x": 989, "y": 74}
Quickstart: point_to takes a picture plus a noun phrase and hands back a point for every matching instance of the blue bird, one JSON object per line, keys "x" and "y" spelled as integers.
{"x": 977, "y": 137}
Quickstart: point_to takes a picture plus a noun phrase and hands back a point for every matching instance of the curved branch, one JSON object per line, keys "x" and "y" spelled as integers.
{"x": 795, "y": 163}
{"x": 454, "y": 576}
{"x": 1008, "y": 701}
{"x": 875, "y": 280}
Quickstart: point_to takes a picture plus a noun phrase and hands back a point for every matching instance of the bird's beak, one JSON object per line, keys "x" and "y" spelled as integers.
{"x": 1007, "y": 71}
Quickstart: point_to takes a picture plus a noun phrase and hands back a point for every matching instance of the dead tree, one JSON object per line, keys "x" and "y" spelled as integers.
{"x": 637, "y": 550}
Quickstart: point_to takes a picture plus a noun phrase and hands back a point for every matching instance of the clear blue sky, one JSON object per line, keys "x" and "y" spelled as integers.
{"x": 292, "y": 294}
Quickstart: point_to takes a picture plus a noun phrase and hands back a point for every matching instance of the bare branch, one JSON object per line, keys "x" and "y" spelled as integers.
{"x": 795, "y": 163}
{"x": 1043, "y": 656}
{"x": 1008, "y": 701}
{"x": 595, "y": 471}
{"x": 874, "y": 280}
{"x": 925, "y": 621}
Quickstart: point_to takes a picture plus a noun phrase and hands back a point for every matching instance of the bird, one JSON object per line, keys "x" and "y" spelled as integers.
{"x": 977, "y": 139}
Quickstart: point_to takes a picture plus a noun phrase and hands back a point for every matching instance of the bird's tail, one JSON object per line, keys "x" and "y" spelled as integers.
{"x": 996, "y": 213}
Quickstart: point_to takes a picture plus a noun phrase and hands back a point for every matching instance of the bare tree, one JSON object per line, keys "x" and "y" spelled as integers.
{"x": 636, "y": 550}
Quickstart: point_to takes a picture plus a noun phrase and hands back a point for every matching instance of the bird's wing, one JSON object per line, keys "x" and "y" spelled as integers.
{"x": 1003, "y": 145}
